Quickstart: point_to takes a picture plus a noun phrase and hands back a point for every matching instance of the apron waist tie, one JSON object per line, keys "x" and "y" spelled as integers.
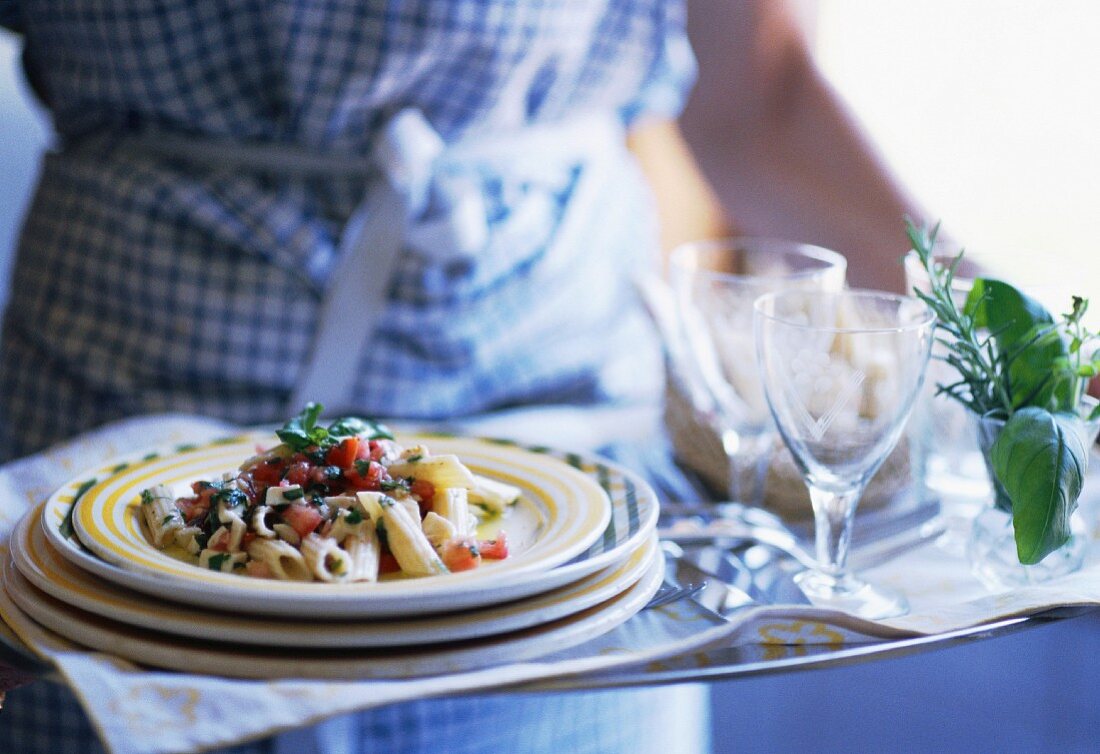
{"x": 415, "y": 199}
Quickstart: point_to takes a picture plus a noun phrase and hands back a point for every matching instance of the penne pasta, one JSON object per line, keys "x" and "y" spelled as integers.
{"x": 438, "y": 529}
{"x": 492, "y": 495}
{"x": 412, "y": 550}
{"x": 349, "y": 523}
{"x": 286, "y": 533}
{"x": 260, "y": 522}
{"x": 325, "y": 559}
{"x": 284, "y": 561}
{"x": 451, "y": 504}
{"x": 187, "y": 538}
{"x": 442, "y": 471}
{"x": 371, "y": 504}
{"x": 158, "y": 507}
{"x": 365, "y": 552}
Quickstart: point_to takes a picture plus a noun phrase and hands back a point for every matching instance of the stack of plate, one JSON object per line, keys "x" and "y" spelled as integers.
{"x": 583, "y": 559}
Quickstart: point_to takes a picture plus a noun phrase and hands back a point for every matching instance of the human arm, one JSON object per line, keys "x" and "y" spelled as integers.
{"x": 782, "y": 151}
{"x": 687, "y": 206}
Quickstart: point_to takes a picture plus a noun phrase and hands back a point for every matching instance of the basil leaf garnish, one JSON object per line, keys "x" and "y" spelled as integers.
{"x": 1040, "y": 459}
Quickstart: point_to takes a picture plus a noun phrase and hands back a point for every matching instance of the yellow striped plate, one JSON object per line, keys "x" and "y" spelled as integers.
{"x": 249, "y": 661}
{"x": 39, "y": 562}
{"x": 564, "y": 513}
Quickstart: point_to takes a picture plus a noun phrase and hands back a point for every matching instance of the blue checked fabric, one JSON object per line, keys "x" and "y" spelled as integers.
{"x": 145, "y": 284}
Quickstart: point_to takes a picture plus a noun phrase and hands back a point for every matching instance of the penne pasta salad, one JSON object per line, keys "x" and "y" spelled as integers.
{"x": 336, "y": 503}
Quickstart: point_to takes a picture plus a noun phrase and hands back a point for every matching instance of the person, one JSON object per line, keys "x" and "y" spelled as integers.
{"x": 389, "y": 208}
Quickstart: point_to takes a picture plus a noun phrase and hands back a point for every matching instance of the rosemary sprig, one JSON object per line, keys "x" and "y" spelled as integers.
{"x": 979, "y": 387}
{"x": 985, "y": 370}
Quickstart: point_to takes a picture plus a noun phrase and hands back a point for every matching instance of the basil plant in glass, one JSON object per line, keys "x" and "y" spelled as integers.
{"x": 1023, "y": 372}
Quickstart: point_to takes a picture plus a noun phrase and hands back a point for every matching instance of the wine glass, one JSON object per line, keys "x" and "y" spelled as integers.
{"x": 841, "y": 372}
{"x": 716, "y": 283}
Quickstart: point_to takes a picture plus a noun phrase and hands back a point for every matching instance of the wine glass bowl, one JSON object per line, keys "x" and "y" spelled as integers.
{"x": 716, "y": 283}
{"x": 841, "y": 372}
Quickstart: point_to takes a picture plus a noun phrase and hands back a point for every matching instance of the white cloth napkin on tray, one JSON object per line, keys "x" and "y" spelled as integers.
{"x": 141, "y": 710}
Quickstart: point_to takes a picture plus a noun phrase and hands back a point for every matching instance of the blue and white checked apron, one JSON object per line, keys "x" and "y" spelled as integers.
{"x": 467, "y": 249}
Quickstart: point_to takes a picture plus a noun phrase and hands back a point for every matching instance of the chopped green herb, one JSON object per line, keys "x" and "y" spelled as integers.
{"x": 362, "y": 466}
{"x": 167, "y": 519}
{"x": 389, "y": 485}
{"x": 353, "y": 517}
{"x": 231, "y": 496}
{"x": 380, "y": 528}
{"x": 216, "y": 561}
{"x": 146, "y": 497}
{"x": 414, "y": 458}
{"x": 292, "y": 493}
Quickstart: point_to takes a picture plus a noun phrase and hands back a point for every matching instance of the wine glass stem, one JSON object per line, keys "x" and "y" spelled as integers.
{"x": 748, "y": 464}
{"x": 833, "y": 513}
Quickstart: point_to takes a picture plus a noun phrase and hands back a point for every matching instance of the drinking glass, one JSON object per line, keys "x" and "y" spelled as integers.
{"x": 945, "y": 434}
{"x": 716, "y": 283}
{"x": 841, "y": 372}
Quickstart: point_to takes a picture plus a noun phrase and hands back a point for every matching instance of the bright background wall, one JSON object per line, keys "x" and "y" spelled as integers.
{"x": 989, "y": 111}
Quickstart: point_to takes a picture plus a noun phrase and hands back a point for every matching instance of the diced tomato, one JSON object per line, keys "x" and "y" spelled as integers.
{"x": 327, "y": 476}
{"x": 268, "y": 472}
{"x": 494, "y": 549}
{"x": 344, "y": 453}
{"x": 387, "y": 563}
{"x": 204, "y": 491}
{"x": 302, "y": 518}
{"x": 461, "y": 554}
{"x": 187, "y": 506}
{"x": 364, "y": 475}
{"x": 221, "y": 545}
{"x": 298, "y": 473}
{"x": 198, "y": 506}
{"x": 258, "y": 569}
{"x": 246, "y": 539}
{"x": 377, "y": 450}
{"x": 425, "y": 491}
